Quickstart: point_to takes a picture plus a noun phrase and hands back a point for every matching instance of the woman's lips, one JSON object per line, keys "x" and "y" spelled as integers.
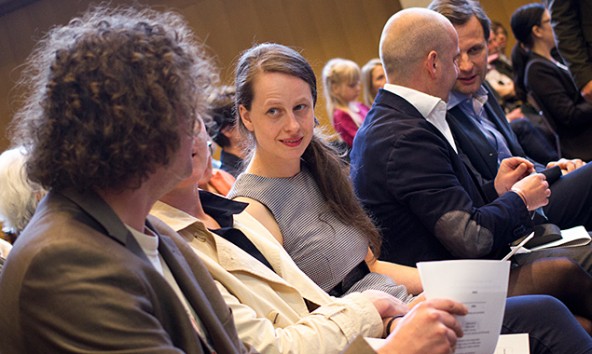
{"x": 292, "y": 142}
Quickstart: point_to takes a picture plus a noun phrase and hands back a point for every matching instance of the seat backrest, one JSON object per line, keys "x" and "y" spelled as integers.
{"x": 541, "y": 119}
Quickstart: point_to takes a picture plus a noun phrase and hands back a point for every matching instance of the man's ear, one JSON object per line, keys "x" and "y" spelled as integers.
{"x": 245, "y": 117}
{"x": 432, "y": 63}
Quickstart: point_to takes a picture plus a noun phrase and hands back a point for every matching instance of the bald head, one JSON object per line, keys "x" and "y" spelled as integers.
{"x": 407, "y": 39}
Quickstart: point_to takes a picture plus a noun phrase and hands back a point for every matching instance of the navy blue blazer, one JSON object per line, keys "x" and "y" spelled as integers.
{"x": 425, "y": 201}
{"x": 481, "y": 156}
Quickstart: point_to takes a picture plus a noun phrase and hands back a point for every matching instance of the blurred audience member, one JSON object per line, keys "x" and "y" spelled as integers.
{"x": 501, "y": 40}
{"x": 341, "y": 81}
{"x": 571, "y": 24}
{"x": 213, "y": 179}
{"x": 18, "y": 195}
{"x": 549, "y": 82}
{"x": 224, "y": 132}
{"x": 373, "y": 79}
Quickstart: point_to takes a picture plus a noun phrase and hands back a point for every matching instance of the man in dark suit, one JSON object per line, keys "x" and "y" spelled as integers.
{"x": 481, "y": 131}
{"x": 400, "y": 153}
{"x": 572, "y": 26}
{"x": 108, "y": 126}
{"x": 426, "y": 202}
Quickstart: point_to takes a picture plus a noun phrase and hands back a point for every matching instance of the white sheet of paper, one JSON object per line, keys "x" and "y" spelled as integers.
{"x": 506, "y": 344}
{"x": 481, "y": 285}
{"x": 513, "y": 344}
{"x": 517, "y": 249}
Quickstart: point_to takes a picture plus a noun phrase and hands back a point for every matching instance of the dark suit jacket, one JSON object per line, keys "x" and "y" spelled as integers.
{"x": 572, "y": 25}
{"x": 77, "y": 281}
{"x": 425, "y": 201}
{"x": 481, "y": 156}
{"x": 564, "y": 106}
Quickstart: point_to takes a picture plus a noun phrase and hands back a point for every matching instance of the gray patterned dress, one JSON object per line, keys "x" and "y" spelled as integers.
{"x": 326, "y": 249}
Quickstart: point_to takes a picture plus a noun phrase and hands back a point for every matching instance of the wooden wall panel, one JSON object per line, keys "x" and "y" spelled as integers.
{"x": 321, "y": 29}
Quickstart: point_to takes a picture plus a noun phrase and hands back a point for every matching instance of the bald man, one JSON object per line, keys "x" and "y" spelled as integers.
{"x": 425, "y": 201}
{"x": 408, "y": 174}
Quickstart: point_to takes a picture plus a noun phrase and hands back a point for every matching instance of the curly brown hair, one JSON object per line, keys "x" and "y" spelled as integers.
{"x": 106, "y": 97}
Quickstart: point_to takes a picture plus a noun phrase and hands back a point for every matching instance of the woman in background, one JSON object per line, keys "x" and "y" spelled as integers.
{"x": 538, "y": 73}
{"x": 373, "y": 79}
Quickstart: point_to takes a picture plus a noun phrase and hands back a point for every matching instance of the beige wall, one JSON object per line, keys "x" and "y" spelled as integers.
{"x": 322, "y": 29}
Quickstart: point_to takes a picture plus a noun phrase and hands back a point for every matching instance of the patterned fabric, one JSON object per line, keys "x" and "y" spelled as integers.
{"x": 322, "y": 246}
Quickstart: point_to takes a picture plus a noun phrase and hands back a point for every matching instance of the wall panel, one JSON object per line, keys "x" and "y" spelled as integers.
{"x": 321, "y": 29}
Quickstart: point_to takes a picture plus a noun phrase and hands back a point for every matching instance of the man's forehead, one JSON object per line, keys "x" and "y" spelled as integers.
{"x": 470, "y": 33}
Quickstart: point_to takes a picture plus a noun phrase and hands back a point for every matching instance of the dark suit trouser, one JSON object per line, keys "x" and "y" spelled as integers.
{"x": 552, "y": 330}
{"x": 571, "y": 199}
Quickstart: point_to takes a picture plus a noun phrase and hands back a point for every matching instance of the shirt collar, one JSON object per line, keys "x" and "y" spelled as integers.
{"x": 433, "y": 109}
{"x": 455, "y": 98}
{"x": 220, "y": 208}
{"x": 423, "y": 102}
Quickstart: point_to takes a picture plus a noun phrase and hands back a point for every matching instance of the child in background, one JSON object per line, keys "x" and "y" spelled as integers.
{"x": 341, "y": 81}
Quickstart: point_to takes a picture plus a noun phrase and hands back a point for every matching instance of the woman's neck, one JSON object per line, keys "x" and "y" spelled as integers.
{"x": 542, "y": 49}
{"x": 273, "y": 168}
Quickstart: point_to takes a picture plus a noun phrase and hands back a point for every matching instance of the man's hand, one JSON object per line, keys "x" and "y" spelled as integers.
{"x": 534, "y": 191}
{"x": 516, "y": 113}
{"x": 430, "y": 327}
{"x": 511, "y": 170}
{"x": 567, "y": 165}
{"x": 386, "y": 304}
{"x": 587, "y": 91}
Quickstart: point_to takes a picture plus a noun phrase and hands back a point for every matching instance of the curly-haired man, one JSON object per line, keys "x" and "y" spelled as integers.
{"x": 108, "y": 123}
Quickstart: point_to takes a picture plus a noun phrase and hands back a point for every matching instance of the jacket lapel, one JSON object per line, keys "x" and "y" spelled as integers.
{"x": 104, "y": 219}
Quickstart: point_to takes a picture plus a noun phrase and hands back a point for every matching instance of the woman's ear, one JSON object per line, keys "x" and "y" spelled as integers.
{"x": 536, "y": 31}
{"x": 245, "y": 117}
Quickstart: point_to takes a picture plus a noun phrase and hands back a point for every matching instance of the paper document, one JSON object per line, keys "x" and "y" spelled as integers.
{"x": 481, "y": 285}
{"x": 518, "y": 248}
{"x": 513, "y": 344}
{"x": 506, "y": 344}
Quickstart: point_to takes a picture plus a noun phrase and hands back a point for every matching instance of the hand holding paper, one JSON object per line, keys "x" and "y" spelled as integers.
{"x": 481, "y": 285}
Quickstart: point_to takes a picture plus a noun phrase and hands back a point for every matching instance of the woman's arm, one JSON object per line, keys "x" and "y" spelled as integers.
{"x": 400, "y": 274}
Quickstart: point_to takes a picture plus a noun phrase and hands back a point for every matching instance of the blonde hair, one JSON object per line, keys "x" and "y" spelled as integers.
{"x": 367, "y": 84}
{"x": 338, "y": 71}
